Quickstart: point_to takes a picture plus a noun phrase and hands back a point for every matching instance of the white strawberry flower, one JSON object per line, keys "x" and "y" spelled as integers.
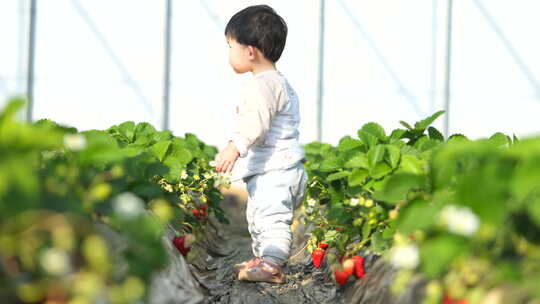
{"x": 354, "y": 202}
{"x": 128, "y": 205}
{"x": 183, "y": 174}
{"x": 311, "y": 202}
{"x": 405, "y": 256}
{"x": 74, "y": 142}
{"x": 55, "y": 261}
{"x": 460, "y": 220}
{"x": 212, "y": 163}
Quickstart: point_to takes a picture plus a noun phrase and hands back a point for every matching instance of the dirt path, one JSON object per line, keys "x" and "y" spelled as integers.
{"x": 210, "y": 277}
{"x": 305, "y": 284}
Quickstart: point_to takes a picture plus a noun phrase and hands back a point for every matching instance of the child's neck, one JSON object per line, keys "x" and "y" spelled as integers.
{"x": 263, "y": 67}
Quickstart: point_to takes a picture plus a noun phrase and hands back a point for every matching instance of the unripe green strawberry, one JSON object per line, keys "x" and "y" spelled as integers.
{"x": 368, "y": 203}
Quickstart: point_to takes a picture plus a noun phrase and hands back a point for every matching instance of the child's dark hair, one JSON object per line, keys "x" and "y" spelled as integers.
{"x": 259, "y": 26}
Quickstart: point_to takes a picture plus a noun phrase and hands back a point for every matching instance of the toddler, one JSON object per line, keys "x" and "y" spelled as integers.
{"x": 265, "y": 141}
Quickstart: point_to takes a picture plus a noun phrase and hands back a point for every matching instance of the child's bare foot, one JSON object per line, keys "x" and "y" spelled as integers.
{"x": 264, "y": 271}
{"x": 249, "y": 263}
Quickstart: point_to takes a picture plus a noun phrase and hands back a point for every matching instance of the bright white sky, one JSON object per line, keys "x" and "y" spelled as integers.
{"x": 78, "y": 83}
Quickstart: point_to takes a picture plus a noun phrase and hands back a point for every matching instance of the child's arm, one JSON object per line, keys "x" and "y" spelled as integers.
{"x": 227, "y": 158}
{"x": 259, "y": 106}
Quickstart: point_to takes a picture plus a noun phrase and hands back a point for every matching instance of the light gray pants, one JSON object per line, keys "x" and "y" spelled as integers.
{"x": 273, "y": 196}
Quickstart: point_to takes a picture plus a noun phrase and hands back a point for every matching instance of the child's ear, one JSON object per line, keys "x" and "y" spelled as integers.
{"x": 252, "y": 52}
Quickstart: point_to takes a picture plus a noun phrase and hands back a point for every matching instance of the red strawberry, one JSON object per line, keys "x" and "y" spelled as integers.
{"x": 348, "y": 266}
{"x": 341, "y": 276}
{"x": 203, "y": 208}
{"x": 449, "y": 300}
{"x": 323, "y": 246}
{"x": 199, "y": 213}
{"x": 183, "y": 243}
{"x": 358, "y": 266}
{"x": 317, "y": 255}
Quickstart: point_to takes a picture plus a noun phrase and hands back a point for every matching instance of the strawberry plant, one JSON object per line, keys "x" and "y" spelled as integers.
{"x": 464, "y": 213}
{"x": 344, "y": 197}
{"x": 60, "y": 188}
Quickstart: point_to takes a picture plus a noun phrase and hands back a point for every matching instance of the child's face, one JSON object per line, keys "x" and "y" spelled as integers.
{"x": 240, "y": 56}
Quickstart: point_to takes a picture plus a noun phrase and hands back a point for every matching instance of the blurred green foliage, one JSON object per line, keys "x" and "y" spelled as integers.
{"x": 60, "y": 187}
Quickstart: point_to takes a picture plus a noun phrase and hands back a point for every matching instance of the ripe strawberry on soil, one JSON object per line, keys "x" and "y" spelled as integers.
{"x": 183, "y": 243}
{"x": 317, "y": 255}
{"x": 359, "y": 271}
{"x": 341, "y": 276}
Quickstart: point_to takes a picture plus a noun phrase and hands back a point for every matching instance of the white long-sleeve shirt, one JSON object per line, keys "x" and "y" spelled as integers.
{"x": 267, "y": 120}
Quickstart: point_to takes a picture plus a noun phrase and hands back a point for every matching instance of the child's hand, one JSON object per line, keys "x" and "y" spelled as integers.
{"x": 227, "y": 158}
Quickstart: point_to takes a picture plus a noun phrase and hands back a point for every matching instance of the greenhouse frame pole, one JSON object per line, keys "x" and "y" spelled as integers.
{"x": 433, "y": 94}
{"x": 320, "y": 88}
{"x": 167, "y": 68}
{"x": 448, "y": 70}
{"x": 31, "y": 58}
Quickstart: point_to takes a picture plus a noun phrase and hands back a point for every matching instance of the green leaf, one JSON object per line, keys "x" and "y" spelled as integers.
{"x": 358, "y": 177}
{"x": 378, "y": 244}
{"x": 393, "y": 154}
{"x": 435, "y": 134}
{"x": 358, "y": 161}
{"x": 338, "y": 175}
{"x": 534, "y": 210}
{"x": 374, "y": 130}
{"x": 396, "y": 135}
{"x": 375, "y": 155}
{"x": 330, "y": 164}
{"x": 160, "y": 149}
{"x": 12, "y": 108}
{"x": 366, "y": 230}
{"x": 500, "y": 139}
{"x": 101, "y": 149}
{"x": 526, "y": 179}
{"x": 425, "y": 144}
{"x": 144, "y": 134}
{"x": 411, "y": 164}
{"x": 179, "y": 153}
{"x": 406, "y": 125}
{"x": 418, "y": 214}
{"x": 128, "y": 130}
{"x": 423, "y": 124}
{"x": 380, "y": 170}
{"x": 437, "y": 253}
{"x": 147, "y": 190}
{"x": 457, "y": 138}
{"x": 175, "y": 167}
{"x": 348, "y": 143}
{"x": 367, "y": 139}
{"x": 489, "y": 203}
{"x": 398, "y": 186}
